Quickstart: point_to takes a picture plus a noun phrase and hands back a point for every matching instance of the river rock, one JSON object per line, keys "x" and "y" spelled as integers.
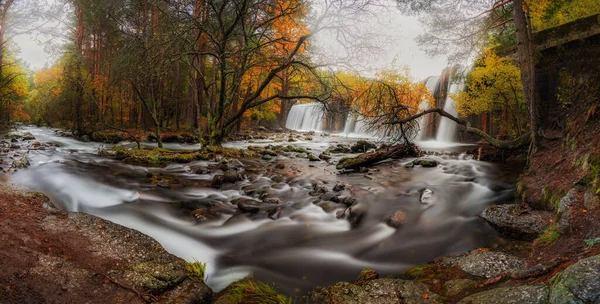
{"x": 348, "y": 201}
{"x": 395, "y": 219}
{"x": 565, "y": 206}
{"x": 329, "y": 206}
{"x": 325, "y": 156}
{"x": 275, "y": 213}
{"x": 312, "y": 157}
{"x": 454, "y": 288}
{"x": 267, "y": 157}
{"x": 330, "y": 196}
{"x": 591, "y": 200}
{"x": 28, "y": 136}
{"x": 280, "y": 166}
{"x": 426, "y": 163}
{"x": 510, "y": 295}
{"x": 189, "y": 292}
{"x": 272, "y": 200}
{"x": 318, "y": 189}
{"x": 21, "y": 163}
{"x": 486, "y": 264}
{"x": 301, "y": 155}
{"x": 202, "y": 215}
{"x": 578, "y": 284}
{"x": 510, "y": 220}
{"x": 340, "y": 148}
{"x": 356, "y": 214}
{"x": 246, "y": 205}
{"x": 378, "y": 291}
{"x": 339, "y": 186}
{"x": 426, "y": 196}
{"x": 362, "y": 146}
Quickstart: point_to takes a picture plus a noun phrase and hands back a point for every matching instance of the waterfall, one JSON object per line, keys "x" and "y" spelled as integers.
{"x": 355, "y": 125}
{"x": 306, "y": 117}
{"x": 447, "y": 130}
{"x": 432, "y": 84}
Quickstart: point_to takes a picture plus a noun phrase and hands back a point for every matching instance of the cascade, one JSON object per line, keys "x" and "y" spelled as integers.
{"x": 447, "y": 130}
{"x": 432, "y": 84}
{"x": 306, "y": 117}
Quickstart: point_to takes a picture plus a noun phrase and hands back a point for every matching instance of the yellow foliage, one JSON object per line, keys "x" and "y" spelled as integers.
{"x": 550, "y": 13}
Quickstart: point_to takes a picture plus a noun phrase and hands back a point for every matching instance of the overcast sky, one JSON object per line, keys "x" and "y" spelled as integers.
{"x": 397, "y": 30}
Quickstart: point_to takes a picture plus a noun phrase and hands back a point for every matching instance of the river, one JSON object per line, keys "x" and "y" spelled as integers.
{"x": 306, "y": 246}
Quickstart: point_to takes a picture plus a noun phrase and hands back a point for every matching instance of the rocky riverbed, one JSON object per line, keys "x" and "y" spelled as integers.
{"x": 281, "y": 211}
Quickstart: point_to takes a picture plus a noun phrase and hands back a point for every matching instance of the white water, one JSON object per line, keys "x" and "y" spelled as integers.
{"x": 431, "y": 84}
{"x": 306, "y": 117}
{"x": 447, "y": 130}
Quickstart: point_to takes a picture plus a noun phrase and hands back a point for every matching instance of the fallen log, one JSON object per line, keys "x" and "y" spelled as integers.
{"x": 368, "y": 159}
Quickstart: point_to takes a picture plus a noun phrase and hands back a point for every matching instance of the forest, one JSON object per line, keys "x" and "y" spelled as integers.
{"x": 259, "y": 151}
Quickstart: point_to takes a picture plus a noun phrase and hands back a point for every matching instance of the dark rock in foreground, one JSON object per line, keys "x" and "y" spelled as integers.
{"x": 579, "y": 283}
{"x": 378, "y": 291}
{"x": 486, "y": 264}
{"x": 514, "y": 222}
{"x": 509, "y": 295}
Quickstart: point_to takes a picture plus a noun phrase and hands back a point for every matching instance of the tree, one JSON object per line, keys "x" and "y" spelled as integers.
{"x": 494, "y": 84}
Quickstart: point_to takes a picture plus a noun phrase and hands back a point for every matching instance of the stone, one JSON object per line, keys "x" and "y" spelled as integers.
{"x": 275, "y": 213}
{"x": 356, "y": 214}
{"x": 377, "y": 291}
{"x": 348, "y": 201}
{"x": 85, "y": 138}
{"x": 426, "y": 163}
{"x": 328, "y": 206}
{"x": 395, "y": 219}
{"x": 454, "y": 288}
{"x": 325, "y": 156}
{"x": 267, "y": 157}
{"x": 486, "y": 264}
{"x": 510, "y": 220}
{"x": 247, "y": 205}
{"x": 339, "y": 186}
{"x": 280, "y": 166}
{"x": 426, "y": 196}
{"x": 272, "y": 200}
{"x": 510, "y": 295}
{"x": 154, "y": 277}
{"x": 313, "y": 158}
{"x": 301, "y": 155}
{"x": 202, "y": 215}
{"x": 189, "y": 292}
{"x": 21, "y": 163}
{"x": 28, "y": 136}
{"x": 565, "y": 206}
{"x": 362, "y": 146}
{"x": 579, "y": 283}
{"x": 591, "y": 200}
{"x": 231, "y": 177}
{"x": 318, "y": 189}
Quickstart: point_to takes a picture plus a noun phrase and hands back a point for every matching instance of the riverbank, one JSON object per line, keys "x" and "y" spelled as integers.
{"x": 52, "y": 256}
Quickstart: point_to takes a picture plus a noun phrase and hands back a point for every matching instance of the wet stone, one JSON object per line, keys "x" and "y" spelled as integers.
{"x": 395, "y": 219}
{"x": 247, "y": 205}
{"x": 510, "y": 295}
{"x": 486, "y": 264}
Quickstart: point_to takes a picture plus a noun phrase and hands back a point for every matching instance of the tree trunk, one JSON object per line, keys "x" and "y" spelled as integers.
{"x": 371, "y": 158}
{"x": 525, "y": 50}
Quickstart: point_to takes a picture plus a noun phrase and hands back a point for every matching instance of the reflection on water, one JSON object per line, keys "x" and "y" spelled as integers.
{"x": 306, "y": 246}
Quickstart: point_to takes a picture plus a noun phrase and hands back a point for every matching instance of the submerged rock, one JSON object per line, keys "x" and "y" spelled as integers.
{"x": 510, "y": 295}
{"x": 395, "y": 219}
{"x": 579, "y": 283}
{"x": 247, "y": 205}
{"x": 510, "y": 220}
{"x": 486, "y": 264}
{"x": 377, "y": 291}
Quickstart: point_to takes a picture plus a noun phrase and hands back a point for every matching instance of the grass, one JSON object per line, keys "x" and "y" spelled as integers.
{"x": 250, "y": 291}
{"x": 550, "y": 235}
{"x": 417, "y": 272}
{"x": 196, "y": 270}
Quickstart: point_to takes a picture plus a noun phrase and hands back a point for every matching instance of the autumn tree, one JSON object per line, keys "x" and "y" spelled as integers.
{"x": 493, "y": 85}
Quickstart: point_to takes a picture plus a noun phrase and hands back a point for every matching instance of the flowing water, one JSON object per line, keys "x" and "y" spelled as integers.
{"x": 306, "y": 246}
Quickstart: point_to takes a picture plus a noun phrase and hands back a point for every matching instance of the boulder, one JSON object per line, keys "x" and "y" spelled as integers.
{"x": 339, "y": 186}
{"x": 565, "y": 206}
{"x": 154, "y": 277}
{"x": 247, "y": 205}
{"x": 426, "y": 163}
{"x": 426, "y": 196}
{"x": 454, "y": 288}
{"x": 510, "y": 220}
{"x": 312, "y": 157}
{"x": 28, "y": 136}
{"x": 21, "y": 163}
{"x": 267, "y": 157}
{"x": 377, "y": 291}
{"x": 579, "y": 283}
{"x": 362, "y": 146}
{"x": 591, "y": 200}
{"x": 395, "y": 219}
{"x": 325, "y": 156}
{"x": 486, "y": 264}
{"x": 510, "y": 295}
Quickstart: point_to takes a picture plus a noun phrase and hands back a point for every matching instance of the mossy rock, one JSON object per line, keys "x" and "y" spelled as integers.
{"x": 510, "y": 295}
{"x": 154, "y": 277}
{"x": 579, "y": 283}
{"x": 249, "y": 290}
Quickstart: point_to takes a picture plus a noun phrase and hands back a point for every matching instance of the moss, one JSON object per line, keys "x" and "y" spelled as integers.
{"x": 418, "y": 271}
{"x": 159, "y": 157}
{"x": 551, "y": 198}
{"x": 251, "y": 291}
{"x": 196, "y": 270}
{"x": 550, "y": 235}
{"x": 365, "y": 276}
